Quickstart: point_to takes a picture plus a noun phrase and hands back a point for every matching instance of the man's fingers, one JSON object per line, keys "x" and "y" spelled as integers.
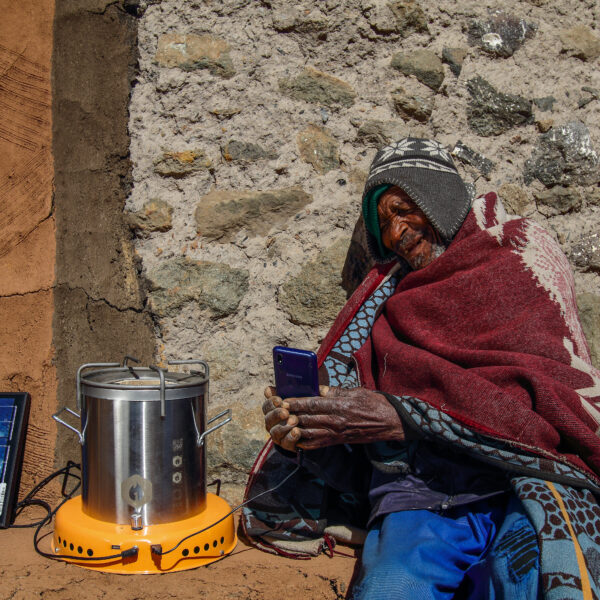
{"x": 272, "y": 403}
{"x": 290, "y": 441}
{"x": 285, "y": 436}
{"x": 323, "y": 390}
{"x": 270, "y": 391}
{"x": 277, "y": 416}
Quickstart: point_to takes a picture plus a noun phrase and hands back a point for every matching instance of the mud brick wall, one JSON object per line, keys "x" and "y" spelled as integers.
{"x": 27, "y": 223}
{"x": 99, "y": 313}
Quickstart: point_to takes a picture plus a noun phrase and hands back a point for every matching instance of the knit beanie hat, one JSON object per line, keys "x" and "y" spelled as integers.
{"x": 425, "y": 171}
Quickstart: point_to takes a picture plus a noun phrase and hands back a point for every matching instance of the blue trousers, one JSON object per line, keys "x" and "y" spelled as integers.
{"x": 480, "y": 551}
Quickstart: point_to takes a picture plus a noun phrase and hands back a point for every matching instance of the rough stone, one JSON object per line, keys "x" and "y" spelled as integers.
{"x": 358, "y": 179}
{"x": 589, "y": 315}
{"x": 222, "y": 213}
{"x": 223, "y": 359}
{"x": 315, "y": 296}
{"x": 239, "y": 151}
{"x": 190, "y": 52}
{"x": 546, "y": 103}
{"x": 156, "y": 215}
{"x": 471, "y": 157}
{"x": 586, "y": 252}
{"x": 316, "y": 87}
{"x": 591, "y": 94}
{"x": 491, "y": 112}
{"x": 400, "y": 16}
{"x": 380, "y": 133}
{"x": 213, "y": 286}
{"x": 501, "y": 35}
{"x": 181, "y": 164}
{"x": 558, "y": 201}
{"x": 234, "y": 447}
{"x": 580, "y": 42}
{"x": 319, "y": 148}
{"x": 225, "y": 112}
{"x": 412, "y": 106}
{"x": 292, "y": 18}
{"x": 592, "y": 196}
{"x": 544, "y": 125}
{"x": 423, "y": 64}
{"x": 564, "y": 156}
{"x": 515, "y": 200}
{"x": 285, "y": 18}
{"x": 454, "y": 58}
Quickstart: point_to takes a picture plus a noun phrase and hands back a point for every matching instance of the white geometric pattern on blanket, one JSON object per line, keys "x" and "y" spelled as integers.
{"x": 495, "y": 225}
{"x": 589, "y": 392}
{"x": 542, "y": 256}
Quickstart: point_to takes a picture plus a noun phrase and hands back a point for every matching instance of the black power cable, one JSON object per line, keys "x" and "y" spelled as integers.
{"x": 29, "y": 500}
{"x": 157, "y": 550}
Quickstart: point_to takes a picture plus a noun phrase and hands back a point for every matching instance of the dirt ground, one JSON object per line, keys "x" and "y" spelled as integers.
{"x": 246, "y": 574}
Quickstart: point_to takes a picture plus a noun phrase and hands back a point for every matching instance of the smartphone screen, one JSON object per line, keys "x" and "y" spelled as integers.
{"x": 296, "y": 372}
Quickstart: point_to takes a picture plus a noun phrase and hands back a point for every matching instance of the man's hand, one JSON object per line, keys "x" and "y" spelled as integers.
{"x": 337, "y": 416}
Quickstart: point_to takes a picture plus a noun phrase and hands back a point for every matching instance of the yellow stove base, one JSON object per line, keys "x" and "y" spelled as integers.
{"x": 78, "y": 535}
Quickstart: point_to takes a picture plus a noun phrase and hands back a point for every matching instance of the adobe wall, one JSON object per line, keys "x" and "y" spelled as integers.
{"x": 27, "y": 222}
{"x": 69, "y": 286}
{"x": 99, "y": 313}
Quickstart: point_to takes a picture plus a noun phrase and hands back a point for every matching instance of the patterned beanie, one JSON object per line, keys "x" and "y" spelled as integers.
{"x": 425, "y": 171}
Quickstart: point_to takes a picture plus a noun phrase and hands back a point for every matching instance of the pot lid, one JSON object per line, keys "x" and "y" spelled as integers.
{"x": 129, "y": 378}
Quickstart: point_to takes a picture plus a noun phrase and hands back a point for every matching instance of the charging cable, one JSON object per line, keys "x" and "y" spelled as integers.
{"x": 29, "y": 500}
{"x": 157, "y": 550}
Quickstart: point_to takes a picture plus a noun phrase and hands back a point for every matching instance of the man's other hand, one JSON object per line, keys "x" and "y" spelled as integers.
{"x": 337, "y": 416}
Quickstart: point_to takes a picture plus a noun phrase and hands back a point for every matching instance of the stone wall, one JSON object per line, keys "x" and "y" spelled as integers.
{"x": 252, "y": 127}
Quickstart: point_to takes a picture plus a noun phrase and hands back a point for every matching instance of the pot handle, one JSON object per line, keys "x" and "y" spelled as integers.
{"x": 161, "y": 377}
{"x": 88, "y": 366}
{"x": 201, "y": 436}
{"x": 56, "y": 417}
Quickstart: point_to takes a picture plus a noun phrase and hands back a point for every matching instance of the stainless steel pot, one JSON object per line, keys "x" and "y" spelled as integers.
{"x": 142, "y": 442}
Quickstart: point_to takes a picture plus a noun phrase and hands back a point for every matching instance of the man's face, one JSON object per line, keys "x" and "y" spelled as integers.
{"x": 405, "y": 229}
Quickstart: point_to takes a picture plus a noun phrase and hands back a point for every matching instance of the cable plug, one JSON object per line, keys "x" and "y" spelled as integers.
{"x": 133, "y": 551}
{"x": 156, "y": 549}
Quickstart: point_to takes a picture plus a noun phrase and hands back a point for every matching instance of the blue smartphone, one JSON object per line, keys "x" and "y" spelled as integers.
{"x": 296, "y": 372}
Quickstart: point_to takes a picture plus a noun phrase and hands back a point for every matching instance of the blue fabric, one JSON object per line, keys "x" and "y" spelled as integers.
{"x": 424, "y": 554}
{"x": 511, "y": 568}
{"x": 482, "y": 551}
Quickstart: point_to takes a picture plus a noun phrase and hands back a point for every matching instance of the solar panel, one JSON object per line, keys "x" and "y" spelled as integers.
{"x": 14, "y": 412}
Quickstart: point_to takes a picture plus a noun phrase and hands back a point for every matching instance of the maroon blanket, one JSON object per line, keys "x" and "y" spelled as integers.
{"x": 489, "y": 333}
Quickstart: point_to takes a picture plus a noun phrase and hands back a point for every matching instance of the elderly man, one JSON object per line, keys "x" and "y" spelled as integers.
{"x": 457, "y": 418}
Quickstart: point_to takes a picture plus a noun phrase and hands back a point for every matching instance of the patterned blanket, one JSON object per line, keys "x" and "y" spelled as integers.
{"x": 481, "y": 350}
